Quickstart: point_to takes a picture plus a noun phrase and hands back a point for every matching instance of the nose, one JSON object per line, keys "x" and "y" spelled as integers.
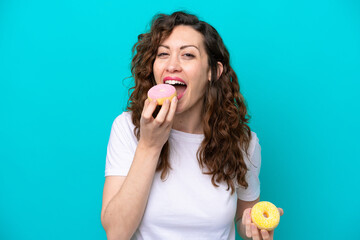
{"x": 173, "y": 64}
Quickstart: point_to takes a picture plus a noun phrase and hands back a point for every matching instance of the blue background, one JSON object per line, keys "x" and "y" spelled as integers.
{"x": 62, "y": 70}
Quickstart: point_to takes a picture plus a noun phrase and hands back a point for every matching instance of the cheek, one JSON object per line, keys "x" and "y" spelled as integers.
{"x": 201, "y": 73}
{"x": 195, "y": 70}
{"x": 156, "y": 70}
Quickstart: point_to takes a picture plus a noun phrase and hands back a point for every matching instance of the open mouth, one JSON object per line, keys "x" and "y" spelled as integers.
{"x": 179, "y": 85}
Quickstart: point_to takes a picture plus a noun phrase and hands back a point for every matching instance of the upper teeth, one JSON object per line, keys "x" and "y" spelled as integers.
{"x": 174, "y": 82}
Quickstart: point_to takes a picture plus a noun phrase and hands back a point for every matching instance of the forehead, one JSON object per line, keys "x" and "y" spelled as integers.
{"x": 184, "y": 35}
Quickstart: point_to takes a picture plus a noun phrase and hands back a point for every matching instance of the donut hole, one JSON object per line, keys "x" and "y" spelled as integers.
{"x": 265, "y": 214}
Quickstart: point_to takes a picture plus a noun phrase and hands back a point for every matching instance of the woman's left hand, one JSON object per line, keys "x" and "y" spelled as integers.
{"x": 252, "y": 231}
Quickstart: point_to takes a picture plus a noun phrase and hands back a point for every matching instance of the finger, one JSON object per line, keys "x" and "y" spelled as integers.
{"x": 163, "y": 112}
{"x": 171, "y": 113}
{"x": 265, "y": 234}
{"x": 149, "y": 109}
{"x": 255, "y": 232}
{"x": 244, "y": 216}
{"x": 247, "y": 222}
{"x": 281, "y": 211}
{"x": 271, "y": 234}
{"x": 146, "y": 104}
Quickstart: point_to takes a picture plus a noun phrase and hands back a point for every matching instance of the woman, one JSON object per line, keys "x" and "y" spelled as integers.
{"x": 188, "y": 170}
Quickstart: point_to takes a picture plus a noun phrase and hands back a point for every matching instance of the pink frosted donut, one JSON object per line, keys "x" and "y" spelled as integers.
{"x": 161, "y": 92}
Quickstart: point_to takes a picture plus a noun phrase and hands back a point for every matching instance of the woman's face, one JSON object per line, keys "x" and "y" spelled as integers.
{"x": 182, "y": 61}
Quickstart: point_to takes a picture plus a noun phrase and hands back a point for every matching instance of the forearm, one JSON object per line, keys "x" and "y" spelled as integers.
{"x": 241, "y": 230}
{"x": 124, "y": 212}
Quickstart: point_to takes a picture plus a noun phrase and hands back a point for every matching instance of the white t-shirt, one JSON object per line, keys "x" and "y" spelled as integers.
{"x": 186, "y": 205}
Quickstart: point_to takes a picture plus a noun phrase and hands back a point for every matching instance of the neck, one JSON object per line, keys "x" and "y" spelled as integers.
{"x": 189, "y": 121}
{"x": 187, "y": 126}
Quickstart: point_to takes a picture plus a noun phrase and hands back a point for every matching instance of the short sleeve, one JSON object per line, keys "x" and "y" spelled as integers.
{"x": 252, "y": 192}
{"x": 120, "y": 152}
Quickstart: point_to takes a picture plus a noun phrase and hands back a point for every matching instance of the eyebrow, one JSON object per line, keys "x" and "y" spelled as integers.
{"x": 182, "y": 47}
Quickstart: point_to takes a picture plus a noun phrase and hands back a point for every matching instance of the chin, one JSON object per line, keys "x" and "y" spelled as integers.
{"x": 179, "y": 109}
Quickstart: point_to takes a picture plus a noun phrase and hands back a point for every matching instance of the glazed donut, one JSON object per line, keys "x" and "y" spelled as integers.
{"x": 265, "y": 215}
{"x": 161, "y": 92}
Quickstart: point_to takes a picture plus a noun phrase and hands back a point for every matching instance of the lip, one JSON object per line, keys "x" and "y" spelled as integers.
{"x": 174, "y": 78}
{"x": 177, "y": 79}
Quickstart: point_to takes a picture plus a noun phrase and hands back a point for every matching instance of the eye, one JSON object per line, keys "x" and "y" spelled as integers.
{"x": 162, "y": 54}
{"x": 189, "y": 55}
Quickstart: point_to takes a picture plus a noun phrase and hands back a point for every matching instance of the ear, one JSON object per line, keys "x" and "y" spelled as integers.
{"x": 220, "y": 68}
{"x": 209, "y": 74}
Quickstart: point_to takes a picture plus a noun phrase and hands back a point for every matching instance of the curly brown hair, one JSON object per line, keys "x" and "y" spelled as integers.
{"x": 225, "y": 118}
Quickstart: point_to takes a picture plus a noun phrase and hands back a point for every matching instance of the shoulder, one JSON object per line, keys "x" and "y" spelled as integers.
{"x": 252, "y": 160}
{"x": 254, "y": 141}
{"x": 122, "y": 130}
{"x": 123, "y": 125}
{"x": 124, "y": 121}
{"x": 254, "y": 151}
{"x": 123, "y": 118}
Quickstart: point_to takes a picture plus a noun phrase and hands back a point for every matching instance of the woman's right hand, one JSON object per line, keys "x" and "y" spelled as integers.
{"x": 251, "y": 229}
{"x": 154, "y": 132}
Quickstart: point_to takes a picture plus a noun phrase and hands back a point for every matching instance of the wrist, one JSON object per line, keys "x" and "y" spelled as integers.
{"x": 151, "y": 149}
